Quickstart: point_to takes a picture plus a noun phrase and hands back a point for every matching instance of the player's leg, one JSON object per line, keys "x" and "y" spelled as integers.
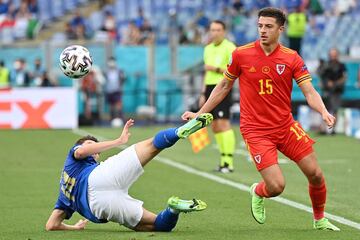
{"x": 167, "y": 219}
{"x": 224, "y": 135}
{"x": 264, "y": 154}
{"x": 148, "y": 149}
{"x": 298, "y": 147}
{"x": 317, "y": 191}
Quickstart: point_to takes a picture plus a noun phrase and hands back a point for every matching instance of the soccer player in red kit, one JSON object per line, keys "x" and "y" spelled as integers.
{"x": 265, "y": 70}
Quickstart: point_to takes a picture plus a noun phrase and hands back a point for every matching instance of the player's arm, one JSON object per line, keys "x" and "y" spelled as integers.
{"x": 315, "y": 102}
{"x": 55, "y": 222}
{"x": 220, "y": 91}
{"x": 213, "y": 68}
{"x": 90, "y": 149}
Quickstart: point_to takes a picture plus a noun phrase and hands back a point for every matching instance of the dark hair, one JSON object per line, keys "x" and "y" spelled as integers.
{"x": 83, "y": 139}
{"x": 274, "y": 13}
{"x": 220, "y": 22}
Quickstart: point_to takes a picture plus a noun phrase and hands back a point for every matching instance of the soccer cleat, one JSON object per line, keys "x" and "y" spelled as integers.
{"x": 193, "y": 125}
{"x": 324, "y": 224}
{"x": 224, "y": 169}
{"x": 257, "y": 205}
{"x": 186, "y": 205}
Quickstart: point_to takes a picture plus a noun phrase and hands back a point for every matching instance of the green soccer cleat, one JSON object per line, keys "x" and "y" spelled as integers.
{"x": 324, "y": 224}
{"x": 257, "y": 205}
{"x": 193, "y": 125}
{"x": 186, "y": 205}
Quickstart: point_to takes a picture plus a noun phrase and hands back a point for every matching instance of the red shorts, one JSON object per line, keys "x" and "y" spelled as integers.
{"x": 292, "y": 141}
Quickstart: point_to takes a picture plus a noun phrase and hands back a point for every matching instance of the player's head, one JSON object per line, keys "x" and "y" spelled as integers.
{"x": 88, "y": 140}
{"x": 333, "y": 54}
{"x": 217, "y": 31}
{"x": 271, "y": 23}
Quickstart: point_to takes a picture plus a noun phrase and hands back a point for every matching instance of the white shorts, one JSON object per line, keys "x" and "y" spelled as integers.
{"x": 108, "y": 189}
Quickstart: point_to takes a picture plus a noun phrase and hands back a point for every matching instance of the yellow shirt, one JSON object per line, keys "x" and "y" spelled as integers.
{"x": 4, "y": 77}
{"x": 217, "y": 56}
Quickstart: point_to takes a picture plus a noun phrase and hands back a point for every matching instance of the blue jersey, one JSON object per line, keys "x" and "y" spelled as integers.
{"x": 74, "y": 186}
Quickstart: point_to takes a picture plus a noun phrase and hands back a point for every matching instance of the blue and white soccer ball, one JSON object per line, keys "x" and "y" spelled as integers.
{"x": 75, "y": 61}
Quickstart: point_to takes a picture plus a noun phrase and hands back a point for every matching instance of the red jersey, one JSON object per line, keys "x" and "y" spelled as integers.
{"x": 265, "y": 84}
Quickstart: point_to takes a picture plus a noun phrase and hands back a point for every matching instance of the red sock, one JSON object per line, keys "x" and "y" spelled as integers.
{"x": 261, "y": 191}
{"x": 318, "y": 199}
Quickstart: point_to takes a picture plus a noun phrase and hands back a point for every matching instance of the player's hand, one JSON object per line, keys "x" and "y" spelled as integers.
{"x": 80, "y": 225}
{"x": 125, "y": 135}
{"x": 329, "y": 119}
{"x": 188, "y": 115}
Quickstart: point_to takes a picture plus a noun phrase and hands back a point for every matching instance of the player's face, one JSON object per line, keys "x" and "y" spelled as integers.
{"x": 96, "y": 156}
{"x": 217, "y": 32}
{"x": 269, "y": 30}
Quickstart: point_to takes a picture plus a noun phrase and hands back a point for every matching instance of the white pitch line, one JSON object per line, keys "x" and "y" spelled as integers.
{"x": 233, "y": 184}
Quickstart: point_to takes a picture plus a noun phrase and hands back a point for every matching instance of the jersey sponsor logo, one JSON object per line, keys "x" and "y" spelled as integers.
{"x": 265, "y": 69}
{"x": 280, "y": 68}
{"x": 257, "y": 158}
{"x": 252, "y": 69}
{"x": 304, "y": 68}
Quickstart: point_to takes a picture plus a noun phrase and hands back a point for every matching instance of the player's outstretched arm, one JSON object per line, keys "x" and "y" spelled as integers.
{"x": 315, "y": 102}
{"x": 90, "y": 149}
{"x": 55, "y": 222}
{"x": 221, "y": 90}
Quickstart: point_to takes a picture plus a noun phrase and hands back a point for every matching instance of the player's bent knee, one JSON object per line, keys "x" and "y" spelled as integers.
{"x": 276, "y": 189}
{"x": 316, "y": 177}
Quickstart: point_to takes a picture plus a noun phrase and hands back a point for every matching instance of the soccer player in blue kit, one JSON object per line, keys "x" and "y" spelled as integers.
{"x": 99, "y": 192}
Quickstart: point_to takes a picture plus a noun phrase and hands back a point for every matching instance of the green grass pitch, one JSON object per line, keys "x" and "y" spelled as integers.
{"x": 31, "y": 162}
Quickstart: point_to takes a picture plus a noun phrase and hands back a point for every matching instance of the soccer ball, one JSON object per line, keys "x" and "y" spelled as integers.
{"x": 75, "y": 61}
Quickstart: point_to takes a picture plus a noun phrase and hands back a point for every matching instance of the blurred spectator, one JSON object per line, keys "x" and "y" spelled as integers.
{"x": 238, "y": 6}
{"x": 147, "y": 33}
{"x": 296, "y": 29}
{"x": 4, "y": 76}
{"x": 202, "y": 20}
{"x": 33, "y": 7}
{"x": 114, "y": 79}
{"x": 109, "y": 25}
{"x": 333, "y": 77}
{"x": 342, "y": 7}
{"x": 69, "y": 32}
{"x": 22, "y": 18}
{"x": 45, "y": 80}
{"x": 91, "y": 87}
{"x": 139, "y": 20}
{"x": 37, "y": 74}
{"x": 194, "y": 34}
{"x": 4, "y": 8}
{"x": 183, "y": 39}
{"x": 132, "y": 35}
{"x": 19, "y": 76}
{"x": 314, "y": 7}
{"x": 79, "y": 26}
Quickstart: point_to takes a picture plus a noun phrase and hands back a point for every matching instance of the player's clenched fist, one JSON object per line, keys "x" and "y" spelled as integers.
{"x": 188, "y": 115}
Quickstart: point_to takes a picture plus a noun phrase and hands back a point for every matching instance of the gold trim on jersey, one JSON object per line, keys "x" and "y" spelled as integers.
{"x": 229, "y": 76}
{"x": 303, "y": 78}
{"x": 287, "y": 50}
{"x": 246, "y": 46}
{"x": 305, "y": 81}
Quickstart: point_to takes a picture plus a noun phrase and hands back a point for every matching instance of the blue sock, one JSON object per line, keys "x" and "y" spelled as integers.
{"x": 165, "y": 138}
{"x": 166, "y": 221}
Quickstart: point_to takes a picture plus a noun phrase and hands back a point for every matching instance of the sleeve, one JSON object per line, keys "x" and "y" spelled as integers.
{"x": 300, "y": 72}
{"x": 233, "y": 68}
{"x": 73, "y": 149}
{"x": 61, "y": 206}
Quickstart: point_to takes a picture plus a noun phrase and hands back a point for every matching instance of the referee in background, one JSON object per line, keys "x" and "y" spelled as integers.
{"x": 216, "y": 58}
